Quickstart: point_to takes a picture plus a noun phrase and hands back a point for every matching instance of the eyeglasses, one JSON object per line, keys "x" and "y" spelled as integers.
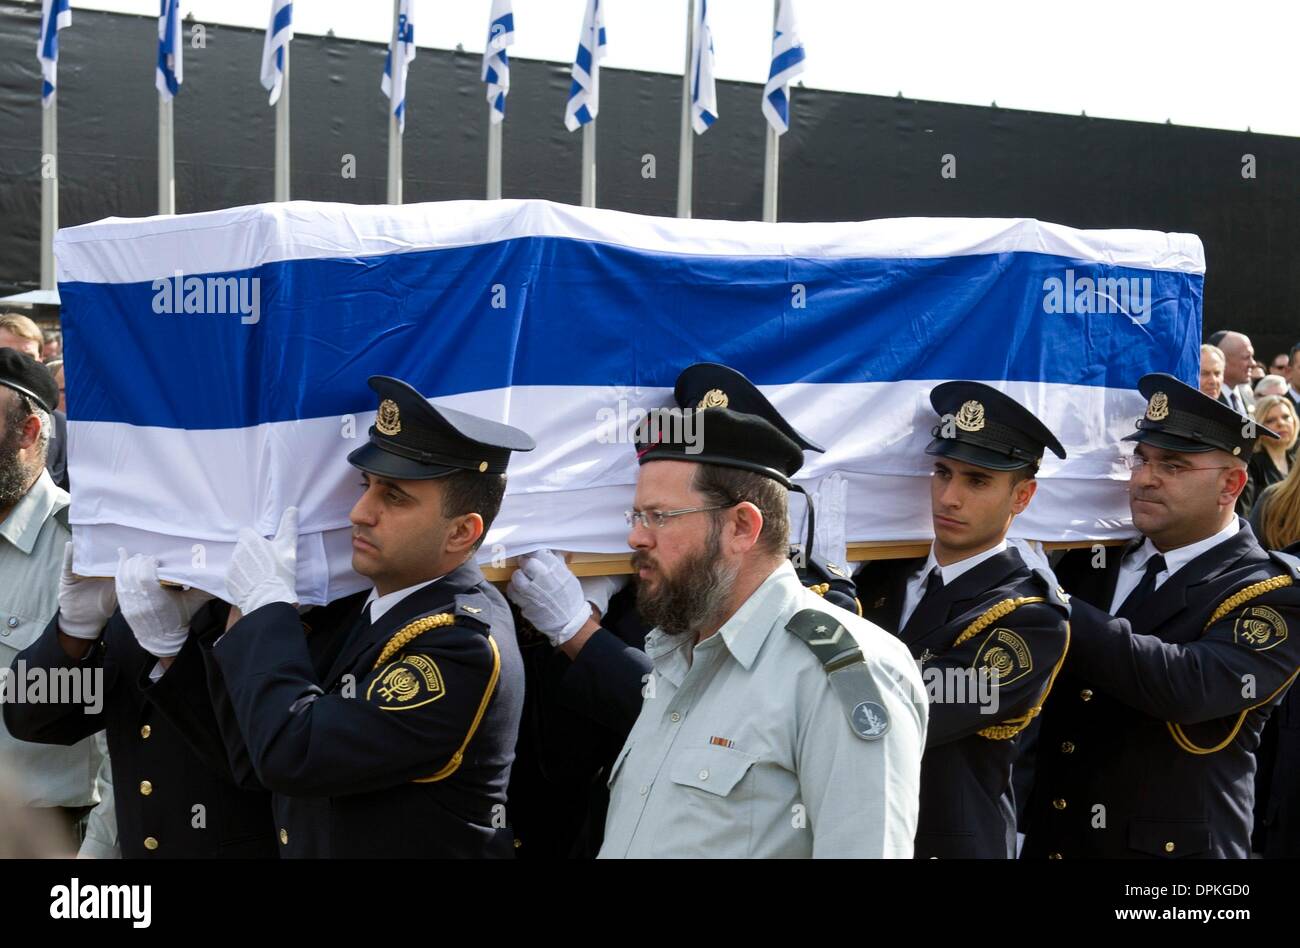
{"x": 652, "y": 519}
{"x": 1135, "y": 463}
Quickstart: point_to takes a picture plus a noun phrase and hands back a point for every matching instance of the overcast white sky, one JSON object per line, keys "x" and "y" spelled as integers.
{"x": 1221, "y": 65}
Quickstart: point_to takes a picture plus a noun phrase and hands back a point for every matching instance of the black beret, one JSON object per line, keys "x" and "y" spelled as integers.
{"x": 24, "y": 374}
{"x": 414, "y": 440}
{"x": 722, "y": 419}
{"x": 987, "y": 428}
{"x": 1182, "y": 418}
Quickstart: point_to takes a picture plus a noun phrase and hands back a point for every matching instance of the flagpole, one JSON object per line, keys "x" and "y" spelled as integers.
{"x": 772, "y": 156}
{"x": 166, "y": 158}
{"x": 394, "y": 132}
{"x": 494, "y": 158}
{"x": 589, "y": 164}
{"x": 282, "y": 132}
{"x": 49, "y": 188}
{"x": 686, "y": 152}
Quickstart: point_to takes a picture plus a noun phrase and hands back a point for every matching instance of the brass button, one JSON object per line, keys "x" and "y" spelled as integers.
{"x": 145, "y": 732}
{"x": 1169, "y": 847}
{"x": 146, "y": 788}
{"x": 1058, "y": 803}
{"x": 150, "y": 843}
{"x": 518, "y": 843}
{"x": 1086, "y": 694}
{"x": 1067, "y": 747}
{"x": 284, "y": 837}
{"x": 1054, "y": 856}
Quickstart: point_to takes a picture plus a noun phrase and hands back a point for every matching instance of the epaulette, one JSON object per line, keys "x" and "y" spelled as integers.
{"x": 473, "y": 606}
{"x": 1288, "y": 560}
{"x": 1053, "y": 591}
{"x": 837, "y": 650}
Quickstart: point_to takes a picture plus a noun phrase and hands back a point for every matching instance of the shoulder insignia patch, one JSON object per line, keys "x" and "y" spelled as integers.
{"x": 1006, "y": 656}
{"x": 410, "y": 682}
{"x": 869, "y": 720}
{"x": 837, "y": 651}
{"x": 1260, "y": 628}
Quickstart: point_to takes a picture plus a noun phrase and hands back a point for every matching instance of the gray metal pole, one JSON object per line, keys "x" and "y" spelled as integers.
{"x": 772, "y": 155}
{"x": 686, "y": 146}
{"x": 49, "y": 188}
{"x": 394, "y": 132}
{"x": 166, "y": 159}
{"x": 282, "y": 134}
{"x": 589, "y": 164}
{"x": 494, "y": 158}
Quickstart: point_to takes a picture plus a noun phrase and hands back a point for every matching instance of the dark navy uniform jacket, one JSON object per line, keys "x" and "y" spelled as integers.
{"x": 577, "y": 715}
{"x": 386, "y": 740}
{"x": 1148, "y": 741}
{"x": 174, "y": 797}
{"x": 1000, "y": 616}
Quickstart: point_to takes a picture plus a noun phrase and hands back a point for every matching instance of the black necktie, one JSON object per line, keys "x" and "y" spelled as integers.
{"x": 1144, "y": 589}
{"x": 929, "y": 601}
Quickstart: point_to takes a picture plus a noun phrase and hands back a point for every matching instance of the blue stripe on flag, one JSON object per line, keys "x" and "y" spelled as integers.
{"x": 586, "y": 313}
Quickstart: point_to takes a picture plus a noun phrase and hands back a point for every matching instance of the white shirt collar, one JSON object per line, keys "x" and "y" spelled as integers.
{"x": 952, "y": 571}
{"x": 1295, "y": 396}
{"x": 1177, "y": 559}
{"x": 378, "y": 604}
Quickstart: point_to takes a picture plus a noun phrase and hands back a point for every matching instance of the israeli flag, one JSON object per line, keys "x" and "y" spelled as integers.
{"x": 704, "y": 93}
{"x": 584, "y": 94}
{"x": 217, "y": 362}
{"x": 787, "y": 62}
{"x": 496, "y": 64}
{"x": 393, "y": 84}
{"x": 278, "y": 35}
{"x": 55, "y": 15}
{"x": 171, "y": 43}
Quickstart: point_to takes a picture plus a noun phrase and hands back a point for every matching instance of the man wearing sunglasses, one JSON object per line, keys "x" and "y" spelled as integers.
{"x": 775, "y": 724}
{"x": 1183, "y": 643}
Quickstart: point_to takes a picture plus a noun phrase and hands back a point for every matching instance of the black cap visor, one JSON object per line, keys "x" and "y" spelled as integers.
{"x": 973, "y": 454}
{"x": 375, "y": 460}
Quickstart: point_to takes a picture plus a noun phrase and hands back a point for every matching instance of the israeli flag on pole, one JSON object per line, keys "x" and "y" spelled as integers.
{"x": 394, "y": 85}
{"x": 55, "y": 15}
{"x": 168, "y": 77}
{"x": 584, "y": 94}
{"x": 206, "y": 390}
{"x": 787, "y": 62}
{"x": 278, "y": 35}
{"x": 704, "y": 94}
{"x": 496, "y": 65}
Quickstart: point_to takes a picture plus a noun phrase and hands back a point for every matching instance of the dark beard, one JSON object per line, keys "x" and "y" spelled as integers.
{"x": 14, "y": 477}
{"x": 696, "y": 592}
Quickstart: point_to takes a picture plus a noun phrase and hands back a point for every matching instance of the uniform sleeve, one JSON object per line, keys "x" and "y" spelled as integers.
{"x": 862, "y": 797}
{"x": 604, "y": 683}
{"x": 1238, "y": 663}
{"x": 1013, "y": 660}
{"x": 63, "y": 723}
{"x": 409, "y": 719}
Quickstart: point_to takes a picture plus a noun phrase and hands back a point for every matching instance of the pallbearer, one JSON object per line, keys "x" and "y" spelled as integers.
{"x": 988, "y": 631}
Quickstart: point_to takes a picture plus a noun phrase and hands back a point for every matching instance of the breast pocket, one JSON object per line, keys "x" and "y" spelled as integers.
{"x": 713, "y": 770}
{"x": 618, "y": 764}
{"x": 1170, "y": 838}
{"x": 19, "y": 629}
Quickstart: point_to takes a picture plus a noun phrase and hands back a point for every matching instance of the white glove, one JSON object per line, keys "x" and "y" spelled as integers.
{"x": 599, "y": 589}
{"x": 264, "y": 571}
{"x": 160, "y": 618}
{"x": 85, "y": 603}
{"x": 1035, "y": 557}
{"x": 832, "y": 505}
{"x": 549, "y": 596}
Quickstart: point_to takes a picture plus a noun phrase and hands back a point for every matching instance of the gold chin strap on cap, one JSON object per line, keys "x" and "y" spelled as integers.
{"x": 1228, "y": 605}
{"x": 1012, "y": 726}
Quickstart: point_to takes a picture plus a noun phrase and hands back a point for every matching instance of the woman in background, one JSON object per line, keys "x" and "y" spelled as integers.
{"x": 1272, "y": 459}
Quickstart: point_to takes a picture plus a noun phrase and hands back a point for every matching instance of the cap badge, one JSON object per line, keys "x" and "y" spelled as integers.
{"x": 714, "y": 398}
{"x": 970, "y": 417}
{"x": 389, "y": 421}
{"x": 1158, "y": 410}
